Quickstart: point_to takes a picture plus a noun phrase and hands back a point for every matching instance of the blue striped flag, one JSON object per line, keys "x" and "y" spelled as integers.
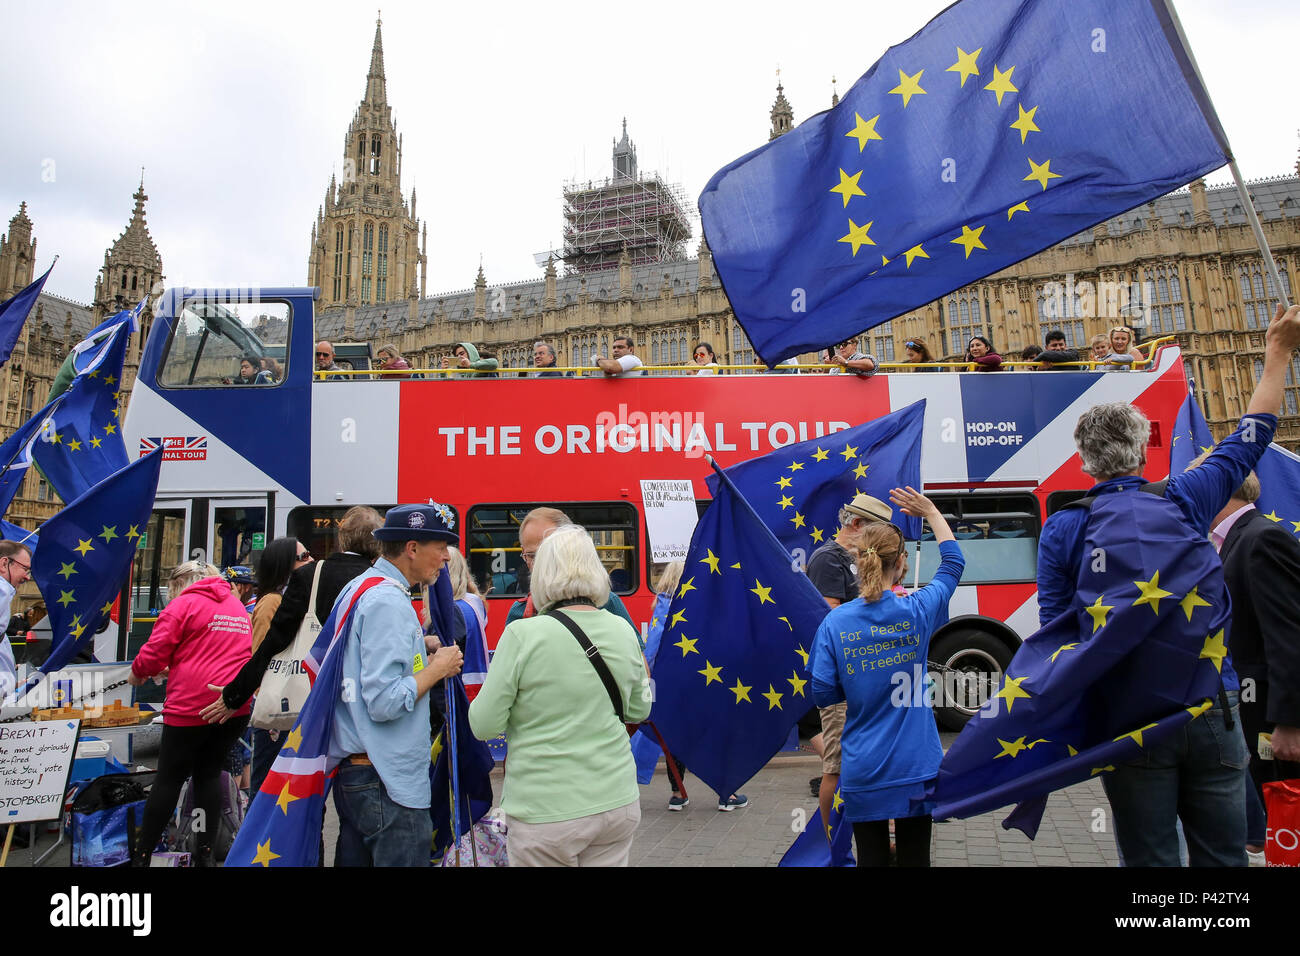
{"x": 14, "y": 312}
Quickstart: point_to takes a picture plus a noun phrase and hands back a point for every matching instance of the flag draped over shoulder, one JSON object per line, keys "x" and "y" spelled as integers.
{"x": 999, "y": 129}
{"x": 86, "y": 553}
{"x": 731, "y": 677}
{"x": 14, "y": 312}
{"x": 283, "y": 824}
{"x": 1191, "y": 436}
{"x": 798, "y": 490}
{"x": 811, "y": 848}
{"x": 1137, "y": 655}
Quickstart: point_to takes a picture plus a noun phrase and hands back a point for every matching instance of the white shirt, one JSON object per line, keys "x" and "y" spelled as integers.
{"x": 8, "y": 669}
{"x": 630, "y": 364}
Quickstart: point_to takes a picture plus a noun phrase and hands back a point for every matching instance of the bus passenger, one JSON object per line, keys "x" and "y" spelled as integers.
{"x": 251, "y": 372}
{"x": 391, "y": 361}
{"x": 1056, "y": 354}
{"x": 979, "y": 352}
{"x": 544, "y": 361}
{"x": 274, "y": 368}
{"x": 705, "y": 359}
{"x": 889, "y": 751}
{"x": 849, "y": 359}
{"x": 918, "y": 352}
{"x": 1100, "y": 347}
{"x": 325, "y": 359}
{"x": 477, "y": 366}
{"x": 1122, "y": 354}
{"x": 624, "y": 364}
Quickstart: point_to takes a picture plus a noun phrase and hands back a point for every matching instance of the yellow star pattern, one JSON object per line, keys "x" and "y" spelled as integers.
{"x": 1012, "y": 690}
{"x": 736, "y": 566}
{"x": 688, "y": 586}
{"x": 96, "y": 442}
{"x": 1214, "y": 650}
{"x": 857, "y": 236}
{"x": 285, "y": 799}
{"x": 970, "y": 240}
{"x": 965, "y": 65}
{"x": 849, "y": 452}
{"x": 67, "y": 570}
{"x": 762, "y": 593}
{"x": 108, "y": 534}
{"x": 1296, "y": 525}
{"x": 74, "y": 445}
{"x": 773, "y": 698}
{"x": 436, "y": 750}
{"x": 110, "y": 380}
{"x": 83, "y": 545}
{"x": 1099, "y": 612}
{"x": 1105, "y": 769}
{"x": 1192, "y": 601}
{"x": 1001, "y": 83}
{"x": 65, "y": 598}
{"x": 1063, "y": 647}
{"x": 860, "y": 471}
{"x": 1041, "y": 172}
{"x": 796, "y": 466}
{"x": 915, "y": 252}
{"x": 110, "y": 429}
{"x": 710, "y": 673}
{"x": 836, "y": 801}
{"x": 293, "y": 741}
{"x": 1200, "y": 708}
{"x": 741, "y": 691}
{"x": 79, "y": 628}
{"x": 801, "y": 652}
{"x": 264, "y": 855}
{"x": 1011, "y": 747}
{"x": 1135, "y": 734}
{"x": 712, "y": 562}
{"x": 1025, "y": 124}
{"x": 687, "y": 645}
{"x": 909, "y": 86}
{"x": 108, "y": 606}
{"x": 817, "y": 535}
{"x": 678, "y": 618}
{"x": 1272, "y": 516}
{"x": 821, "y": 454}
{"x": 796, "y": 683}
{"x": 791, "y": 626}
{"x": 798, "y": 520}
{"x": 786, "y": 502}
{"x": 1018, "y": 207}
{"x": 848, "y": 187}
{"x": 783, "y": 482}
{"x": 865, "y": 130}
{"x": 1151, "y": 592}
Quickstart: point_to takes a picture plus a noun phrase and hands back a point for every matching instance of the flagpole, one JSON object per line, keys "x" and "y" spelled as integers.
{"x": 1251, "y": 216}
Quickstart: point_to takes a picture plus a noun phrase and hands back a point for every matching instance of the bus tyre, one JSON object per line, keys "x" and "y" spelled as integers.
{"x": 971, "y": 665}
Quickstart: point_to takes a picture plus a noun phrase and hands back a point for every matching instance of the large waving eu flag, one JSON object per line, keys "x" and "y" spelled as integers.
{"x": 86, "y": 552}
{"x": 1137, "y": 655}
{"x": 1001, "y": 128}
{"x": 14, "y": 312}
{"x": 731, "y": 677}
{"x": 798, "y": 490}
{"x": 1191, "y": 436}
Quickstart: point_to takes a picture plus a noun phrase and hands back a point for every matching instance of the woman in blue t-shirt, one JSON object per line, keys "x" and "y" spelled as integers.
{"x": 872, "y": 653}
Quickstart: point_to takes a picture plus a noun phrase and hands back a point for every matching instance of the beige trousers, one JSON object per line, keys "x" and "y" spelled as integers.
{"x": 601, "y": 839}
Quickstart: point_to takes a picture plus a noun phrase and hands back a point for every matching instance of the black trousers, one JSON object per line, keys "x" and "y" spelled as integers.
{"x": 911, "y": 838}
{"x": 185, "y": 752}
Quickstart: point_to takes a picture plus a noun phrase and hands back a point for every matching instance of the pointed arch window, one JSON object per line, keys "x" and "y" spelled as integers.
{"x": 374, "y": 155}
{"x": 338, "y": 262}
{"x": 367, "y": 259}
{"x": 381, "y": 283}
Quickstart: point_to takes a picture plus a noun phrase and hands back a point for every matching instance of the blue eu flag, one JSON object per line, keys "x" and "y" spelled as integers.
{"x": 1191, "y": 436}
{"x": 812, "y": 847}
{"x": 16, "y": 458}
{"x": 14, "y": 312}
{"x": 998, "y": 130}
{"x": 731, "y": 677}
{"x": 798, "y": 490}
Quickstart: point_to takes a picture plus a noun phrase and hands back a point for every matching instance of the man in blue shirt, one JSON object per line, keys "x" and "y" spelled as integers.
{"x": 380, "y": 736}
{"x": 1198, "y": 773}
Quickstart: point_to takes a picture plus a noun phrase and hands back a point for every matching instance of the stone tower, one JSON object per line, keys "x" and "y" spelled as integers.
{"x": 17, "y": 255}
{"x": 132, "y": 269}
{"x": 365, "y": 244}
{"x": 782, "y": 114}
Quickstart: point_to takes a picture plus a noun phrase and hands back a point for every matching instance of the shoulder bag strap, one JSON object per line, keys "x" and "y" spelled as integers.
{"x": 315, "y": 583}
{"x": 593, "y": 655}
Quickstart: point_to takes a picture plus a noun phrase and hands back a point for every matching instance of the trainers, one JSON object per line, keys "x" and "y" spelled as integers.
{"x": 815, "y": 785}
{"x": 733, "y": 802}
{"x": 678, "y": 803}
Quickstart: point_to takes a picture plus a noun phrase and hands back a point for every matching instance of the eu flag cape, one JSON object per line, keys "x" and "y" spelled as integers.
{"x": 798, "y": 490}
{"x": 1137, "y": 655}
{"x": 14, "y": 312}
{"x": 731, "y": 676}
{"x": 999, "y": 129}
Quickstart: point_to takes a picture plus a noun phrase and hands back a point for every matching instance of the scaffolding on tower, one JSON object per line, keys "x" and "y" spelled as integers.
{"x": 645, "y": 216}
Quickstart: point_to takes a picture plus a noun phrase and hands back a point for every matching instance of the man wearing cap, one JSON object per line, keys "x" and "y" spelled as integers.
{"x": 380, "y": 735}
{"x": 241, "y": 581}
{"x": 833, "y": 570}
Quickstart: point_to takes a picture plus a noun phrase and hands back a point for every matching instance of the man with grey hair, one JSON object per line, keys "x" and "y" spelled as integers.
{"x": 1191, "y": 775}
{"x": 544, "y": 361}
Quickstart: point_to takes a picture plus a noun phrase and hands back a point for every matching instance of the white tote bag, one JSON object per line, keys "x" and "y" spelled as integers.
{"x": 285, "y": 685}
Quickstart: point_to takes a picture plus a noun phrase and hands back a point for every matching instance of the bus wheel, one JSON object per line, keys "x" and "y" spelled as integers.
{"x": 967, "y": 666}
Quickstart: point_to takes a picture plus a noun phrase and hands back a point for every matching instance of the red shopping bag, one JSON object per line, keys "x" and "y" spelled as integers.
{"x": 1282, "y": 803}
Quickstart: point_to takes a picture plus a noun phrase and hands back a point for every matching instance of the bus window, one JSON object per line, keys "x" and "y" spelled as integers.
{"x": 493, "y": 543}
{"x": 158, "y": 553}
{"x": 317, "y": 529}
{"x": 998, "y": 534}
{"x": 656, "y": 568}
{"x": 211, "y": 340}
{"x": 238, "y": 535}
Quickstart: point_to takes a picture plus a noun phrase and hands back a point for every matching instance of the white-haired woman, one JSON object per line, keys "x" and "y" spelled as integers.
{"x": 203, "y": 636}
{"x": 570, "y": 791}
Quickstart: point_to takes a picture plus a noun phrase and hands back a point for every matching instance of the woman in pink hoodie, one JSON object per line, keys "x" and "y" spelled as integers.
{"x": 203, "y": 636}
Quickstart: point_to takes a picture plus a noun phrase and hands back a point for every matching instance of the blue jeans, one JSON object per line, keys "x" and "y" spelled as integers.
{"x": 265, "y": 750}
{"x": 1195, "y": 776}
{"x": 373, "y": 830}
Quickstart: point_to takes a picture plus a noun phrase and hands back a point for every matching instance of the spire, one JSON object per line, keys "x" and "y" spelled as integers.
{"x": 624, "y": 157}
{"x": 782, "y": 114}
{"x": 835, "y": 96}
{"x": 376, "y": 88}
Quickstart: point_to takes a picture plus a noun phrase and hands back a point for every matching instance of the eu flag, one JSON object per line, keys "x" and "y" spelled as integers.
{"x": 731, "y": 677}
{"x": 1191, "y": 436}
{"x": 1136, "y": 655}
{"x": 14, "y": 312}
{"x": 86, "y": 552}
{"x": 80, "y": 443}
{"x": 16, "y": 458}
{"x": 798, "y": 490}
{"x": 812, "y": 847}
{"x": 1001, "y": 128}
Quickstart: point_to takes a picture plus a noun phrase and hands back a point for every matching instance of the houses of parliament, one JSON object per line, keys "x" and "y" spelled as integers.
{"x": 1186, "y": 265}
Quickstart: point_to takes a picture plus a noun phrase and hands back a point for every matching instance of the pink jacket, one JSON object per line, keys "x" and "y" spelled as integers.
{"x": 205, "y": 637}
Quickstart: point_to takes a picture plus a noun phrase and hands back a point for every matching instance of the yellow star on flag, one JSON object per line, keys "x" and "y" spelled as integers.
{"x": 110, "y": 429}
{"x": 849, "y": 452}
{"x": 436, "y": 750}
{"x": 710, "y": 674}
{"x": 1106, "y": 769}
{"x": 285, "y": 799}
{"x": 821, "y": 454}
{"x": 74, "y": 445}
{"x": 1011, "y": 747}
{"x": 1135, "y": 734}
{"x": 1073, "y": 752}
{"x": 865, "y": 130}
{"x": 1025, "y": 124}
{"x": 1001, "y": 83}
{"x": 908, "y": 86}
{"x": 796, "y": 466}
{"x": 108, "y": 534}
{"x": 1272, "y": 516}
{"x": 1214, "y": 650}
{"x": 1151, "y": 592}
{"x": 736, "y": 566}
{"x": 1018, "y": 207}
{"x": 860, "y": 471}
{"x": 1064, "y": 647}
{"x": 56, "y": 439}
{"x": 79, "y": 629}
{"x": 798, "y": 520}
{"x": 965, "y": 65}
{"x": 110, "y": 380}
{"x": 96, "y": 442}
{"x": 801, "y": 652}
{"x": 1098, "y": 612}
{"x": 67, "y": 570}
{"x": 1200, "y": 708}
{"x": 1296, "y": 525}
{"x": 132, "y": 533}
{"x": 836, "y": 801}
{"x": 884, "y": 261}
{"x": 1192, "y": 601}
{"x": 108, "y": 607}
{"x": 786, "y": 502}
{"x": 117, "y": 413}
{"x": 970, "y": 240}
{"x": 773, "y": 698}
{"x": 83, "y": 545}
{"x": 687, "y": 645}
{"x": 678, "y": 618}
{"x": 293, "y": 741}
{"x": 688, "y": 586}
{"x": 65, "y": 598}
{"x": 783, "y": 482}
{"x": 264, "y": 855}
{"x": 796, "y": 683}
{"x": 762, "y": 593}
{"x": 1041, "y": 172}
{"x": 857, "y": 236}
{"x": 817, "y": 535}
{"x": 848, "y": 187}
{"x": 741, "y": 691}
{"x": 712, "y": 562}
{"x": 1012, "y": 690}
{"x": 915, "y": 252}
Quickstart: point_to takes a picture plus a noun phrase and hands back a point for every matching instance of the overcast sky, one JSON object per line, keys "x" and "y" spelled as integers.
{"x": 238, "y": 112}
